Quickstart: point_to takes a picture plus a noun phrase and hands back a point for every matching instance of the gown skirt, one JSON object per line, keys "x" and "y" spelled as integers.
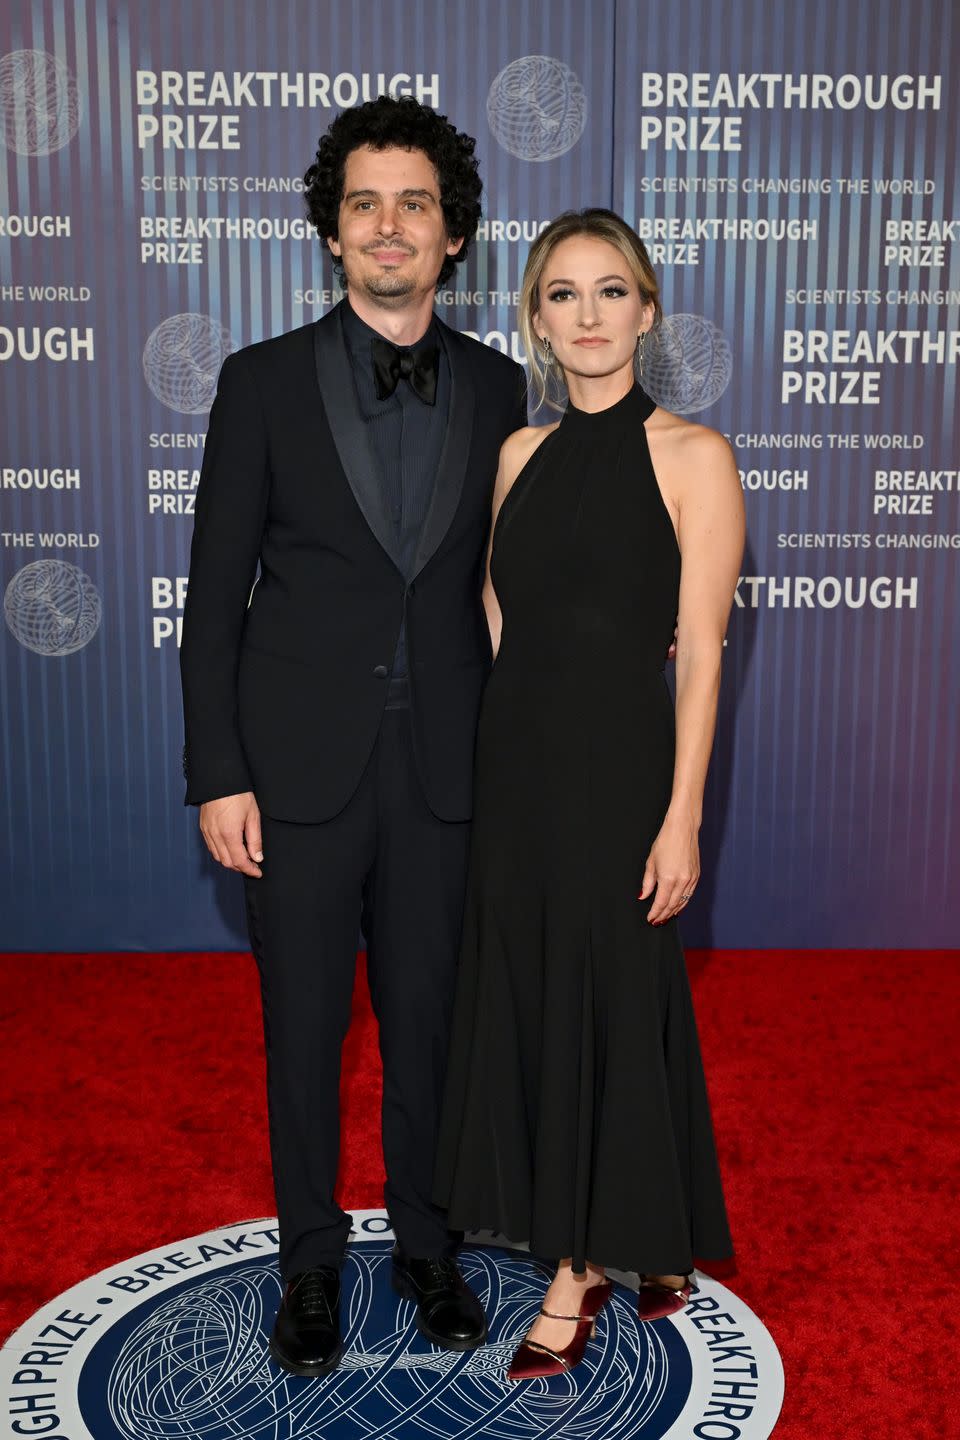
{"x": 575, "y": 1114}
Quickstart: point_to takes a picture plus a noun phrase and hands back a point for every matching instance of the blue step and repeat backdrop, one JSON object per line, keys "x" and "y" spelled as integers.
{"x": 793, "y": 170}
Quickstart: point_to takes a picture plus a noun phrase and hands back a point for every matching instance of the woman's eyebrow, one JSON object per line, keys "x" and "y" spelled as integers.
{"x": 559, "y": 280}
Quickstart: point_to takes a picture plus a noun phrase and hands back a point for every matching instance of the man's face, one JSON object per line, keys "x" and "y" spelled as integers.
{"x": 392, "y": 236}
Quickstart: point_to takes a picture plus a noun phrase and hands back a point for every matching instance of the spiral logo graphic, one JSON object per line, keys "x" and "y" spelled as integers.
{"x": 199, "y": 1365}
{"x": 39, "y": 102}
{"x": 175, "y": 1346}
{"x": 199, "y": 1358}
{"x": 537, "y": 108}
{"x": 182, "y": 359}
{"x": 52, "y": 608}
{"x": 687, "y": 363}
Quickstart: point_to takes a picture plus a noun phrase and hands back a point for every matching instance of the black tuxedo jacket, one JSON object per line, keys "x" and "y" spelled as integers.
{"x": 283, "y": 695}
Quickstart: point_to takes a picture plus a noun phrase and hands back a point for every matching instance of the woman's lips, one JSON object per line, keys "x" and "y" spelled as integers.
{"x": 589, "y": 342}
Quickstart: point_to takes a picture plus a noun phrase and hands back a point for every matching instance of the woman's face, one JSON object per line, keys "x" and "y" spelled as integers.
{"x": 590, "y": 307}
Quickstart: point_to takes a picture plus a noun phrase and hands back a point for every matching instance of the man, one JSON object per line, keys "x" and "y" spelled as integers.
{"x": 330, "y": 725}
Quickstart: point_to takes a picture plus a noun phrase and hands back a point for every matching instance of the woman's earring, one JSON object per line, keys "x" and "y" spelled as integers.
{"x": 547, "y": 349}
{"x": 640, "y": 340}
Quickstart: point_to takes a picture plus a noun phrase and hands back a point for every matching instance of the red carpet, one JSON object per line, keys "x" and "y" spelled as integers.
{"x": 135, "y": 1115}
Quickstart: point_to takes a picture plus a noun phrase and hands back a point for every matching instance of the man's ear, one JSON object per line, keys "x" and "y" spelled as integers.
{"x": 454, "y": 246}
{"x": 333, "y": 245}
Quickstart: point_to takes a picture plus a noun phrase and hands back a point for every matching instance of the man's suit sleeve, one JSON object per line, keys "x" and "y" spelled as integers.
{"x": 228, "y": 525}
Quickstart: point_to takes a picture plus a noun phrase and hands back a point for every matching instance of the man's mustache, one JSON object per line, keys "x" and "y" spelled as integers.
{"x": 388, "y": 245}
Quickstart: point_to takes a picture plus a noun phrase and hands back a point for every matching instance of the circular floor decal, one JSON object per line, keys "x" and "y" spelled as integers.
{"x": 172, "y": 1345}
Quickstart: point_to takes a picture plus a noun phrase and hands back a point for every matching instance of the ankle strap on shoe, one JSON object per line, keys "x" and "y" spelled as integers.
{"x": 551, "y": 1316}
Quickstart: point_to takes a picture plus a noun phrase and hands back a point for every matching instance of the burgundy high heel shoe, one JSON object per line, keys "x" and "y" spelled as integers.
{"x": 532, "y": 1359}
{"x": 654, "y": 1299}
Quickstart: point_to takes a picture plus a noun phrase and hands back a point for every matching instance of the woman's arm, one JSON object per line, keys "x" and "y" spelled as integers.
{"x": 710, "y": 530}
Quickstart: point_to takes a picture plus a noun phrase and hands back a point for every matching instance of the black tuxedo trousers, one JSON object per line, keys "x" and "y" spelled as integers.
{"x": 388, "y": 851}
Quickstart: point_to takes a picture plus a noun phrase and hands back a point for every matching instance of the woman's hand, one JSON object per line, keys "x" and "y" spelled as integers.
{"x": 672, "y": 868}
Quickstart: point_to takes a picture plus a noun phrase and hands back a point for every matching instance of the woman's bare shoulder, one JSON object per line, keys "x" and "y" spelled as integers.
{"x": 518, "y": 447}
{"x": 694, "y": 441}
{"x": 689, "y": 442}
{"x": 514, "y": 454}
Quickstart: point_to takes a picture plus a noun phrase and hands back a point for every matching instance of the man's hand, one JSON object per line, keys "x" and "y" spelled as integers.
{"x": 231, "y": 828}
{"x": 672, "y": 647}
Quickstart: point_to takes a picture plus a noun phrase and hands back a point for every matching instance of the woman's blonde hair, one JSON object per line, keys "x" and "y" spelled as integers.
{"x": 546, "y": 377}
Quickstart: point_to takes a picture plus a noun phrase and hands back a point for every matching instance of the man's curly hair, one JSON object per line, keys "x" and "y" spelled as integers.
{"x": 408, "y": 125}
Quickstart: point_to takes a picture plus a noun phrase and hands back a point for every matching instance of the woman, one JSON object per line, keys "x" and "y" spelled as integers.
{"x": 576, "y": 1113}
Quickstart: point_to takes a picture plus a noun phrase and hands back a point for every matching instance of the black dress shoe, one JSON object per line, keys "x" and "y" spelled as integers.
{"x": 448, "y": 1312}
{"x": 306, "y": 1337}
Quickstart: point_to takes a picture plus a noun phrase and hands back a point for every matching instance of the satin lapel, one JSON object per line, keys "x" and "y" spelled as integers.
{"x": 455, "y": 453}
{"x": 348, "y": 430}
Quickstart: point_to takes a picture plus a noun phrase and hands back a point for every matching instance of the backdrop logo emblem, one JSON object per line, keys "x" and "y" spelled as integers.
{"x": 39, "y": 102}
{"x": 687, "y": 363}
{"x": 52, "y": 608}
{"x": 174, "y": 1344}
{"x": 537, "y": 108}
{"x": 182, "y": 359}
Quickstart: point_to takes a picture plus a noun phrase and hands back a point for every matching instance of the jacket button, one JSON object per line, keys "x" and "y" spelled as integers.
{"x": 381, "y": 672}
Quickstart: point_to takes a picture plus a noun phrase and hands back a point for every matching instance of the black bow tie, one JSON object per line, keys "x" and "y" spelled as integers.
{"x": 419, "y": 367}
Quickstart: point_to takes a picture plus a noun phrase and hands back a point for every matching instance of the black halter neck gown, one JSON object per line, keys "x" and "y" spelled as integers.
{"x": 576, "y": 1114}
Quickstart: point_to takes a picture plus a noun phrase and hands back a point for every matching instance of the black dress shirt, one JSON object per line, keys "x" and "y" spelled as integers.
{"x": 406, "y": 438}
